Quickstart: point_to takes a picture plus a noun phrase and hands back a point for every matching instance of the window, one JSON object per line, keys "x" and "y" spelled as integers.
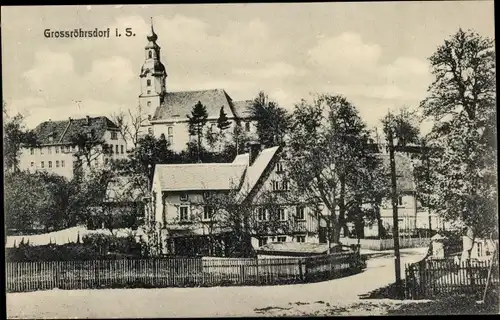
{"x": 49, "y": 150}
{"x": 300, "y": 213}
{"x": 301, "y": 238}
{"x": 281, "y": 239}
{"x": 150, "y": 130}
{"x": 206, "y": 195}
{"x": 89, "y": 135}
{"x": 276, "y": 185}
{"x": 261, "y": 214}
{"x": 50, "y": 164}
{"x": 114, "y": 135}
{"x": 57, "y": 163}
{"x": 184, "y": 197}
{"x": 148, "y": 83}
{"x": 96, "y": 162}
{"x": 170, "y": 130}
{"x": 247, "y": 126}
{"x": 41, "y": 150}
{"x": 400, "y": 201}
{"x": 68, "y": 148}
{"x": 208, "y": 212}
{"x": 282, "y": 214}
{"x": 106, "y": 161}
{"x": 183, "y": 213}
{"x": 149, "y": 91}
{"x": 62, "y": 163}
{"x": 149, "y": 103}
{"x": 262, "y": 241}
{"x": 117, "y": 148}
{"x": 150, "y": 54}
{"x": 57, "y": 149}
{"x": 32, "y": 164}
{"x": 42, "y": 164}
{"x": 284, "y": 185}
{"x": 122, "y": 149}
{"x": 73, "y": 148}
{"x": 279, "y": 167}
{"x": 32, "y": 151}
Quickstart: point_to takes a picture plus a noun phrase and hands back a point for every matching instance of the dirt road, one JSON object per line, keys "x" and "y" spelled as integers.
{"x": 204, "y": 302}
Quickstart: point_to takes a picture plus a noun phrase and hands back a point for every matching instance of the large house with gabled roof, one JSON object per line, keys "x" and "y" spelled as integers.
{"x": 167, "y": 111}
{"x": 59, "y": 145}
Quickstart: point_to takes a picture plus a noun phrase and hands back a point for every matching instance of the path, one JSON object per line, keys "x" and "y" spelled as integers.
{"x": 202, "y": 302}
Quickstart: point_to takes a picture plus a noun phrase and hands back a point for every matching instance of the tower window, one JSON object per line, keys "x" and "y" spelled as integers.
{"x": 149, "y": 103}
{"x": 148, "y": 83}
{"x": 149, "y": 91}
{"x": 150, "y": 54}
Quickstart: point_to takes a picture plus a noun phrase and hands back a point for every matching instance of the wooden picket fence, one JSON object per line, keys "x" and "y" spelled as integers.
{"x": 430, "y": 279}
{"x": 177, "y": 272}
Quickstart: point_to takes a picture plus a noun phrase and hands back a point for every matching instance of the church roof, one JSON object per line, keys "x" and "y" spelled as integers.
{"x": 63, "y": 131}
{"x": 179, "y": 104}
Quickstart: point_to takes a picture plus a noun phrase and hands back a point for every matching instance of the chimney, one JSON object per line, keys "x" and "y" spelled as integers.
{"x": 70, "y": 119}
{"x": 254, "y": 150}
{"x": 88, "y": 120}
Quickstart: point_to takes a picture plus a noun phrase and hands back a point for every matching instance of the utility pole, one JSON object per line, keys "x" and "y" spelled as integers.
{"x": 397, "y": 257}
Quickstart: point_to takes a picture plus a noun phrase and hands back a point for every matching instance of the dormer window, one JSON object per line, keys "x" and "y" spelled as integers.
{"x": 279, "y": 167}
{"x": 114, "y": 135}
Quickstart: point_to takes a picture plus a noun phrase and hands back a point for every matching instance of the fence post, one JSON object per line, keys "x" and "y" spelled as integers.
{"x": 242, "y": 274}
{"x": 257, "y": 270}
{"x": 57, "y": 274}
{"x": 306, "y": 271}
{"x": 300, "y": 270}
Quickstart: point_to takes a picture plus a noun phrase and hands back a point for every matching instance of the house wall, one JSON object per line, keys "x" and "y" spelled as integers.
{"x": 307, "y": 227}
{"x": 181, "y": 136}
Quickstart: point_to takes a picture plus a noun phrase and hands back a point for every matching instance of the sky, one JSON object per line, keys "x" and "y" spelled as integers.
{"x": 375, "y": 54}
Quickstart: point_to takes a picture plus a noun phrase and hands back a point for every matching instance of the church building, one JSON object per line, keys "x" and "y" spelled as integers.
{"x": 167, "y": 111}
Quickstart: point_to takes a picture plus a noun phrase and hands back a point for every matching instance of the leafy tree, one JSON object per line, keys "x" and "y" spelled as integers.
{"x": 15, "y": 136}
{"x": 24, "y": 195}
{"x": 197, "y": 121}
{"x": 462, "y": 103}
{"x": 331, "y": 170}
{"x": 273, "y": 122}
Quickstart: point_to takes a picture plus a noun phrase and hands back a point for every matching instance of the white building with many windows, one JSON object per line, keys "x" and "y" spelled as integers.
{"x": 60, "y": 143}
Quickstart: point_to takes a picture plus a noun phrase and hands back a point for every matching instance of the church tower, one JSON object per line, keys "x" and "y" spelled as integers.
{"x": 153, "y": 76}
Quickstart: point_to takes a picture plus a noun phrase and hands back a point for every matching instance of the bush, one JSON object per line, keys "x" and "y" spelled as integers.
{"x": 110, "y": 243}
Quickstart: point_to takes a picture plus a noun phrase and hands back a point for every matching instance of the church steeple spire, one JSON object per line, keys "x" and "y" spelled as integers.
{"x": 152, "y": 35}
{"x": 153, "y": 75}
